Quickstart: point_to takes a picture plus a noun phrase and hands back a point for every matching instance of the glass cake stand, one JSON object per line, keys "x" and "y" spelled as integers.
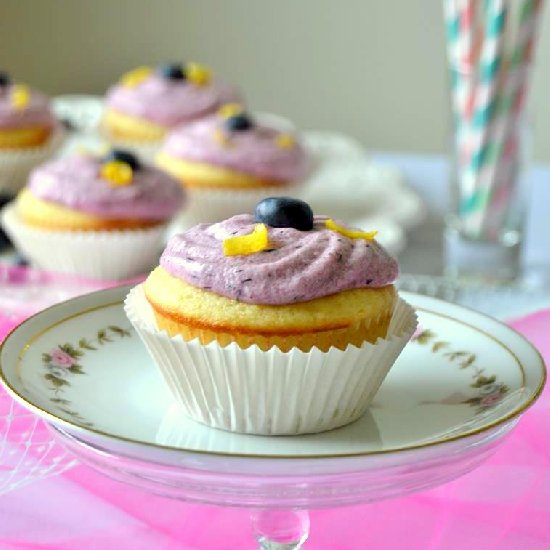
{"x": 280, "y": 491}
{"x": 455, "y": 393}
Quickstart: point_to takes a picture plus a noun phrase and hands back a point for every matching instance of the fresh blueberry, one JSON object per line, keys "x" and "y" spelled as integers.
{"x": 5, "y": 79}
{"x": 123, "y": 156}
{"x": 172, "y": 71}
{"x": 284, "y": 212}
{"x": 238, "y": 123}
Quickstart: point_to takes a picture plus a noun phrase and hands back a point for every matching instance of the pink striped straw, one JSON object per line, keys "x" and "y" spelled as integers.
{"x": 506, "y": 168}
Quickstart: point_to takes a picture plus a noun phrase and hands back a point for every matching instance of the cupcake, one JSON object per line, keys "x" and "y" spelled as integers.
{"x": 29, "y": 132}
{"x": 229, "y": 161}
{"x": 147, "y": 103}
{"x": 280, "y": 322}
{"x": 97, "y": 217}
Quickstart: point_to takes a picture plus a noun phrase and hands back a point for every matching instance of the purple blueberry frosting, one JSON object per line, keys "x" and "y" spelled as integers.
{"x": 36, "y": 114}
{"x": 170, "y": 102}
{"x": 299, "y": 265}
{"x": 254, "y": 151}
{"x": 75, "y": 182}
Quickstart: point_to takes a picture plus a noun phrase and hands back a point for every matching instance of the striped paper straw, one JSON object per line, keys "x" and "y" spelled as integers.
{"x": 474, "y": 196}
{"x": 454, "y": 34}
{"x": 506, "y": 169}
{"x": 462, "y": 42}
{"x": 489, "y": 85}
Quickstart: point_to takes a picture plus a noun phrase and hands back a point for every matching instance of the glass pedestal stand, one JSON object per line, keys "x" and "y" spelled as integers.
{"x": 279, "y": 491}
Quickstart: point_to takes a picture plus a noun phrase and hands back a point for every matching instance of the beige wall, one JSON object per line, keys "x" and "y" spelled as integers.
{"x": 373, "y": 68}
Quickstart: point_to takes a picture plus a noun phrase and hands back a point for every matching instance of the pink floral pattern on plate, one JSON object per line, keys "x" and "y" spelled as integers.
{"x": 63, "y": 362}
{"x": 489, "y": 392}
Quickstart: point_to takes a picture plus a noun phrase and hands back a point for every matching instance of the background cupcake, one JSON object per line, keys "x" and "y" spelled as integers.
{"x": 229, "y": 161}
{"x": 148, "y": 102}
{"x": 29, "y": 132}
{"x": 98, "y": 217}
{"x": 279, "y": 323}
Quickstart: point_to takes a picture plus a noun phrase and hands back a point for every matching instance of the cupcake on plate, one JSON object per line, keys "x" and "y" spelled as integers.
{"x": 229, "y": 161}
{"x": 147, "y": 103}
{"x": 29, "y": 132}
{"x": 102, "y": 217}
{"x": 280, "y": 322}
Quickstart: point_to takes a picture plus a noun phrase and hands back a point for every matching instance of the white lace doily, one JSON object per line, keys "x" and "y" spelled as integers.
{"x": 27, "y": 451}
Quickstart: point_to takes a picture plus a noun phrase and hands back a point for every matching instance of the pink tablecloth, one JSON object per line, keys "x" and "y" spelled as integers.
{"x": 503, "y": 505}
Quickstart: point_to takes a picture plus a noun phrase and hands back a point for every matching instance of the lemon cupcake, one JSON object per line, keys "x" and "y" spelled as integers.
{"x": 148, "y": 102}
{"x": 95, "y": 216}
{"x": 277, "y": 323}
{"x": 229, "y": 161}
{"x": 29, "y": 132}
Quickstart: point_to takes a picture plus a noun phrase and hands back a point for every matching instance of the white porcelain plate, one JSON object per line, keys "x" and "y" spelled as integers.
{"x": 80, "y": 366}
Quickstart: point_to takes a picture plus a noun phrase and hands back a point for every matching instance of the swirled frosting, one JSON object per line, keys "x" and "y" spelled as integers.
{"x": 169, "y": 102}
{"x": 75, "y": 182}
{"x": 254, "y": 151}
{"x": 300, "y": 266}
{"x": 37, "y": 113}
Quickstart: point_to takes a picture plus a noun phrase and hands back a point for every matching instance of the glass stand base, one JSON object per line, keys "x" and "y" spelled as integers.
{"x": 485, "y": 261}
{"x": 280, "y": 529}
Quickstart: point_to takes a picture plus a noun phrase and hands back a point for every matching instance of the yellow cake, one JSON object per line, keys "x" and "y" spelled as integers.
{"x": 146, "y": 103}
{"x": 126, "y": 127}
{"x": 17, "y": 138}
{"x": 349, "y": 317}
{"x": 44, "y": 214}
{"x": 245, "y": 282}
{"x": 232, "y": 151}
{"x": 202, "y": 175}
{"x": 26, "y": 119}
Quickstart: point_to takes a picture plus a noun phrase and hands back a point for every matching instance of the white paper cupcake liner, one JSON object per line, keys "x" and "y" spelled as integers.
{"x": 17, "y": 164}
{"x": 214, "y": 205}
{"x": 270, "y": 392}
{"x": 113, "y": 255}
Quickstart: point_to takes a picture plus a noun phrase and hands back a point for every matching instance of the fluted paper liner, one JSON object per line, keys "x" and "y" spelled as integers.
{"x": 17, "y": 164}
{"x": 110, "y": 255}
{"x": 270, "y": 392}
{"x": 367, "y": 329}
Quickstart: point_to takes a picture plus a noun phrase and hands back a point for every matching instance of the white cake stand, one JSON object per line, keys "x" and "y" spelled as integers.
{"x": 456, "y": 392}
